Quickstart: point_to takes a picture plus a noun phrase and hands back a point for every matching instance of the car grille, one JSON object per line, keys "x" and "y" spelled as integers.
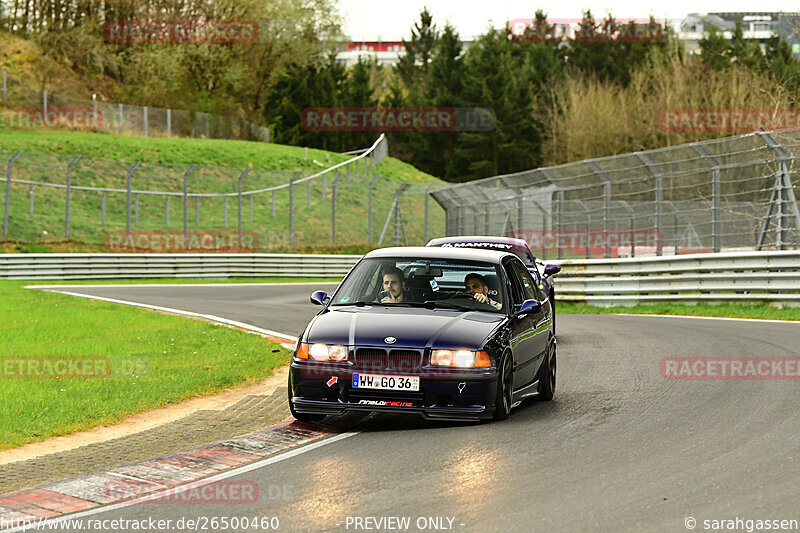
{"x": 380, "y": 360}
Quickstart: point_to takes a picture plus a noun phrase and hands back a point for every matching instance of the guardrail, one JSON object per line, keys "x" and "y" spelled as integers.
{"x": 772, "y": 277}
{"x": 105, "y": 266}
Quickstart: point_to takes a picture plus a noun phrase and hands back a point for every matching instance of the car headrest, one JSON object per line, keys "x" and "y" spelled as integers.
{"x": 494, "y": 285}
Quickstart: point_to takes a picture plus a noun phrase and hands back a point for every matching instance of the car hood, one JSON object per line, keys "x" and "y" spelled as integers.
{"x": 412, "y": 327}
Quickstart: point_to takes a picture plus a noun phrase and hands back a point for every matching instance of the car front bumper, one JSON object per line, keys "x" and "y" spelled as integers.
{"x": 445, "y": 394}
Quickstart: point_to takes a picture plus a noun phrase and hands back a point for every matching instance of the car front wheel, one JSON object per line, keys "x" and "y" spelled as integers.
{"x": 547, "y": 374}
{"x": 505, "y": 388}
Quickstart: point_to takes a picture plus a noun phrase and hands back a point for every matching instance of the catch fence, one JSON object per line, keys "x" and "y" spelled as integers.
{"x": 736, "y": 193}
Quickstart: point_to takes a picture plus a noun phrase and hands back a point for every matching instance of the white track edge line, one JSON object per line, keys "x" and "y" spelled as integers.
{"x": 192, "y": 484}
{"x": 150, "y": 285}
{"x": 768, "y": 320}
{"x": 212, "y": 318}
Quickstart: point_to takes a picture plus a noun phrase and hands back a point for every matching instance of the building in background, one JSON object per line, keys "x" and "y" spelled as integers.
{"x": 756, "y": 26}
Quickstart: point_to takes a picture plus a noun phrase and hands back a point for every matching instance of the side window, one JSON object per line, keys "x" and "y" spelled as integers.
{"x": 528, "y": 285}
{"x": 516, "y": 288}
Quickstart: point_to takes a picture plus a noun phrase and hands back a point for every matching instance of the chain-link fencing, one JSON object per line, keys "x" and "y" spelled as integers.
{"x": 736, "y": 193}
{"x": 28, "y": 107}
{"x": 140, "y": 206}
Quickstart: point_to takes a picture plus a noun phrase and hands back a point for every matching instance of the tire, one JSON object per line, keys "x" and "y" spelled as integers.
{"x": 302, "y": 417}
{"x": 547, "y": 375}
{"x": 505, "y": 388}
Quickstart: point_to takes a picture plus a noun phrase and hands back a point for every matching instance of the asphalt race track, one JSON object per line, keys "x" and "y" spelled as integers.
{"x": 618, "y": 449}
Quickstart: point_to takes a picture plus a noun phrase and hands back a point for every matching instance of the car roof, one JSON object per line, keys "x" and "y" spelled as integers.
{"x": 478, "y": 239}
{"x": 424, "y": 252}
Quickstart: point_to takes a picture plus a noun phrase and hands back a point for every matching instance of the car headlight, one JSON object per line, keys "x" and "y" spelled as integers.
{"x": 322, "y": 352}
{"x": 460, "y": 358}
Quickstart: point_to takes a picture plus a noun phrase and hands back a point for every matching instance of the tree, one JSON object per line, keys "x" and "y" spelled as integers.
{"x": 714, "y": 50}
{"x": 494, "y": 80}
{"x": 413, "y": 66}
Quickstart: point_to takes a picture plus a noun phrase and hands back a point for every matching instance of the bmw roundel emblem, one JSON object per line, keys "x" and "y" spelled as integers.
{"x": 390, "y": 340}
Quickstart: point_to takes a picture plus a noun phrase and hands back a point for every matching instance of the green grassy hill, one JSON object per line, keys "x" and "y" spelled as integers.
{"x": 106, "y": 159}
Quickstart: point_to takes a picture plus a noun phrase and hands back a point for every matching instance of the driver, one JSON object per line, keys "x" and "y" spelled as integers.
{"x": 394, "y": 283}
{"x": 479, "y": 289}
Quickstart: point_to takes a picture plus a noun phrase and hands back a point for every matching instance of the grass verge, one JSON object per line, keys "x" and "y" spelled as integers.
{"x": 154, "y": 359}
{"x": 732, "y": 310}
{"x": 37, "y": 222}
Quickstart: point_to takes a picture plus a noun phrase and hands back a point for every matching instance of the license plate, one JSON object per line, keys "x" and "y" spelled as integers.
{"x": 379, "y": 381}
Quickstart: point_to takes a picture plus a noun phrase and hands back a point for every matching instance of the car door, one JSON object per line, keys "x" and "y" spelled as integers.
{"x": 522, "y": 327}
{"x": 538, "y": 324}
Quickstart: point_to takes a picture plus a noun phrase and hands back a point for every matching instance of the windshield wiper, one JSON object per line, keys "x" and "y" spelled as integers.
{"x": 359, "y": 303}
{"x": 431, "y": 304}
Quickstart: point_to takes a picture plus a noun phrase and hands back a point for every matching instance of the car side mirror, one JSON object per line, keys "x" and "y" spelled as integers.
{"x": 529, "y": 306}
{"x": 319, "y": 297}
{"x": 550, "y": 270}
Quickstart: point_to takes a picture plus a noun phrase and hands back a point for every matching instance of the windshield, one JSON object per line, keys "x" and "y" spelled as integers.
{"x": 435, "y": 283}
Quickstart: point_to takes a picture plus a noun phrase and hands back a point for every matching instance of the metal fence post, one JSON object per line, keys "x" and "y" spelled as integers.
{"x": 347, "y": 181}
{"x": 606, "y": 216}
{"x": 94, "y": 111}
{"x": 169, "y": 122}
{"x": 781, "y": 229}
{"x": 196, "y": 211}
{"x": 324, "y": 186}
{"x": 239, "y": 203}
{"x": 659, "y": 200}
{"x": 30, "y": 198}
{"x": 427, "y": 196}
{"x": 369, "y": 223}
{"x": 102, "y": 207}
{"x": 44, "y": 104}
{"x": 119, "y": 118}
{"x": 186, "y": 205}
{"x": 291, "y": 205}
{"x": 588, "y": 236}
{"x": 398, "y": 217}
{"x": 633, "y": 237}
{"x": 8, "y": 193}
{"x": 128, "y": 187}
{"x": 675, "y": 230}
{"x": 69, "y": 194}
{"x": 273, "y": 204}
{"x": 166, "y": 212}
{"x": 5, "y": 95}
{"x": 559, "y": 215}
{"x": 334, "y": 187}
{"x": 544, "y": 234}
{"x": 145, "y": 120}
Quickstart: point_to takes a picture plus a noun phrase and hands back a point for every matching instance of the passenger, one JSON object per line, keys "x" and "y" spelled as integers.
{"x": 479, "y": 288}
{"x": 394, "y": 285}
